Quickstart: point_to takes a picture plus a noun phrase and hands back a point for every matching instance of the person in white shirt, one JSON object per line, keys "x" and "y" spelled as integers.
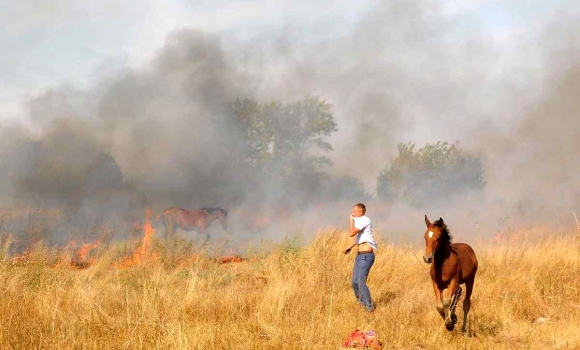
{"x": 361, "y": 228}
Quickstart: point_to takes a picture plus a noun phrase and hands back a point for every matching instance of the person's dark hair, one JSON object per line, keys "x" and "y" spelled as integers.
{"x": 361, "y": 206}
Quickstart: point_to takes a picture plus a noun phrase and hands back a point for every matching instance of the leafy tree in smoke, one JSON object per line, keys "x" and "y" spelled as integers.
{"x": 257, "y": 132}
{"x": 430, "y": 175}
{"x": 299, "y": 131}
{"x": 285, "y": 143}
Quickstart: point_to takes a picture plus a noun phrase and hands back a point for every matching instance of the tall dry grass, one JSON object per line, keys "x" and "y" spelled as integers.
{"x": 285, "y": 296}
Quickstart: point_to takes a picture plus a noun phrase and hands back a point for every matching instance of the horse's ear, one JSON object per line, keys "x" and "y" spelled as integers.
{"x": 427, "y": 222}
{"x": 441, "y": 222}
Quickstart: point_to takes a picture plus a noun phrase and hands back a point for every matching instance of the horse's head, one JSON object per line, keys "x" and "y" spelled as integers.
{"x": 435, "y": 237}
{"x": 223, "y": 218}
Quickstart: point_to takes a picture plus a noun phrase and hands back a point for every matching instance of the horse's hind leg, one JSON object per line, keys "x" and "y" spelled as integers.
{"x": 167, "y": 229}
{"x": 467, "y": 304}
{"x": 448, "y": 294}
{"x": 173, "y": 230}
{"x": 170, "y": 227}
{"x": 454, "y": 301}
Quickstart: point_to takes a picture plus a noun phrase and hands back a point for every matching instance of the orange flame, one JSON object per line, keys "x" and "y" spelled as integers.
{"x": 143, "y": 253}
{"x": 80, "y": 258}
{"x": 84, "y": 251}
{"x": 230, "y": 259}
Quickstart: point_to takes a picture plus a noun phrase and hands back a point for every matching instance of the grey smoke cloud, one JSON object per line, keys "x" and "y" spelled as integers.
{"x": 404, "y": 71}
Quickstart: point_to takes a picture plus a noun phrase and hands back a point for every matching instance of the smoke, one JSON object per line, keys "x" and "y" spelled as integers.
{"x": 146, "y": 138}
{"x": 404, "y": 71}
{"x": 530, "y": 158}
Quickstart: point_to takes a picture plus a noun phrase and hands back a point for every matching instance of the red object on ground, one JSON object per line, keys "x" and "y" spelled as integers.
{"x": 362, "y": 340}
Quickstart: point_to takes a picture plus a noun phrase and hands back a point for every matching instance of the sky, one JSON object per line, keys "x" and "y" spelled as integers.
{"x": 55, "y": 43}
{"x": 65, "y": 42}
{"x": 498, "y": 77}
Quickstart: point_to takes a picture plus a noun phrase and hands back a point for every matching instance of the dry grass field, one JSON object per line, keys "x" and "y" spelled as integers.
{"x": 152, "y": 294}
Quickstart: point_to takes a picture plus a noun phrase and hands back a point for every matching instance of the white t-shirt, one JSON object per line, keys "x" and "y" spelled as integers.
{"x": 363, "y": 223}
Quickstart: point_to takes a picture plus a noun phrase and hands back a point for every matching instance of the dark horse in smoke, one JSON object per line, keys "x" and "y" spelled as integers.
{"x": 193, "y": 220}
{"x": 452, "y": 264}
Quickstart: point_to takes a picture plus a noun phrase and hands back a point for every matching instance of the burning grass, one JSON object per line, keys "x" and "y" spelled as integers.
{"x": 284, "y": 296}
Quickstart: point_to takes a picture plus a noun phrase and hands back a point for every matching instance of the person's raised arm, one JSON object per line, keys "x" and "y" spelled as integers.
{"x": 352, "y": 230}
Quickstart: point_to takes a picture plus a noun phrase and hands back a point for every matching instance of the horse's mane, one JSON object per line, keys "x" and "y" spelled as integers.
{"x": 444, "y": 231}
{"x": 213, "y": 210}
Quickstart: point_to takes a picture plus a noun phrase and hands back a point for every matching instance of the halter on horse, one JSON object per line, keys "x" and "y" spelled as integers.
{"x": 193, "y": 220}
{"x": 451, "y": 265}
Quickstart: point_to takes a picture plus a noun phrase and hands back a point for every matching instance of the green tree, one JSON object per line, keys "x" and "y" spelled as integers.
{"x": 286, "y": 143}
{"x": 430, "y": 175}
{"x": 300, "y": 130}
{"x": 283, "y": 137}
{"x": 254, "y": 124}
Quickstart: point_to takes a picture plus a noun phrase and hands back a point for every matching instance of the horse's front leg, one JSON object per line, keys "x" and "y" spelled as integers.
{"x": 447, "y": 298}
{"x": 467, "y": 304}
{"x": 439, "y": 303}
{"x": 205, "y": 232}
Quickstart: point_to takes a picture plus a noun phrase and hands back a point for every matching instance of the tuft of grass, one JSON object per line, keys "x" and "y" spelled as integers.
{"x": 285, "y": 296}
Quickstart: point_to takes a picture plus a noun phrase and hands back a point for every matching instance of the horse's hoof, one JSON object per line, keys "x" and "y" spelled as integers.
{"x": 449, "y": 326}
{"x": 454, "y": 319}
{"x": 467, "y": 334}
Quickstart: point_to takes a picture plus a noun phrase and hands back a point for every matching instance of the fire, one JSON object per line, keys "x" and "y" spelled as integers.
{"x": 83, "y": 252}
{"x": 143, "y": 253}
{"x": 230, "y": 259}
{"x": 80, "y": 259}
{"x": 23, "y": 257}
{"x": 85, "y": 249}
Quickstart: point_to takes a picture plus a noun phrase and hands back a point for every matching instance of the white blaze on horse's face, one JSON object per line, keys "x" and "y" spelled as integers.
{"x": 431, "y": 243}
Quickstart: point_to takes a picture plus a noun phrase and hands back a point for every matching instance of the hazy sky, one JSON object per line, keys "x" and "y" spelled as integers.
{"x": 50, "y": 43}
{"x": 46, "y": 44}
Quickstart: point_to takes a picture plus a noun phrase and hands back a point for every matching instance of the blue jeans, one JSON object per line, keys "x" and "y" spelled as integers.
{"x": 362, "y": 266}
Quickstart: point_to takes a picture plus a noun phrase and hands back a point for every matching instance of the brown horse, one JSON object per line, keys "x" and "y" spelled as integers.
{"x": 193, "y": 220}
{"x": 451, "y": 265}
